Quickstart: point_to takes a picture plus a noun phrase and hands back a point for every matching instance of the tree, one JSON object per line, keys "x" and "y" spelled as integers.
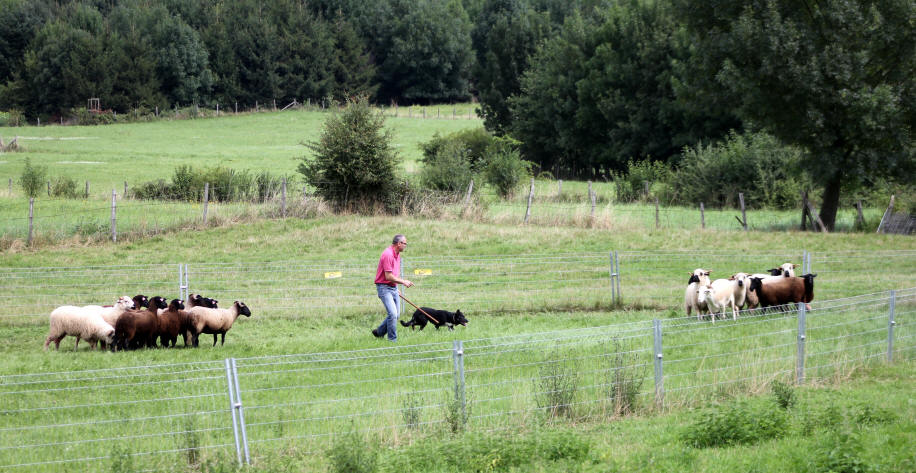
{"x": 354, "y": 162}
{"x": 835, "y": 77}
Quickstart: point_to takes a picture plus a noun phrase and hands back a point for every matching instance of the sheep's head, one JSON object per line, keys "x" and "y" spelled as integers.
{"x": 124, "y": 303}
{"x": 176, "y": 305}
{"x": 740, "y": 277}
{"x": 140, "y": 301}
{"x": 788, "y": 269}
{"x": 704, "y": 293}
{"x": 208, "y": 302}
{"x": 755, "y": 285}
{"x": 158, "y": 302}
{"x": 243, "y": 309}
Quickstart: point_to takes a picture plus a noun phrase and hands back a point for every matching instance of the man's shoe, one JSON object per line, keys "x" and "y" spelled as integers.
{"x": 375, "y": 332}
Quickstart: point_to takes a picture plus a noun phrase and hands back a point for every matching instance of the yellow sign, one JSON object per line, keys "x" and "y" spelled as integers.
{"x": 333, "y": 274}
{"x": 423, "y": 272}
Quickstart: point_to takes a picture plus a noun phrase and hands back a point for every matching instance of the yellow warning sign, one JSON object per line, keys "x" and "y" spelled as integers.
{"x": 333, "y": 274}
{"x": 423, "y": 272}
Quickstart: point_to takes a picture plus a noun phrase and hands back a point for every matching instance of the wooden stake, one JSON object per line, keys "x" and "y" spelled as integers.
{"x": 530, "y": 198}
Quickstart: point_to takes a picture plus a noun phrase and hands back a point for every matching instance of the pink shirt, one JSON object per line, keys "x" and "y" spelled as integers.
{"x": 389, "y": 261}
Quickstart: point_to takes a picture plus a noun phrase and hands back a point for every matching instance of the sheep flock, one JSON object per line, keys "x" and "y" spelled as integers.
{"x": 775, "y": 288}
{"x": 140, "y": 322}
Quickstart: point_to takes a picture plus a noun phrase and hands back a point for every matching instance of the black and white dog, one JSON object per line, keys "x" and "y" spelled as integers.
{"x": 442, "y": 317}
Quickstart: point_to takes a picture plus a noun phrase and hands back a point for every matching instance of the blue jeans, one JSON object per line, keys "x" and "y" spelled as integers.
{"x": 392, "y": 303}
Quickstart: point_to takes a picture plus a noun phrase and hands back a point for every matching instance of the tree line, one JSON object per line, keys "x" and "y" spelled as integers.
{"x": 584, "y": 86}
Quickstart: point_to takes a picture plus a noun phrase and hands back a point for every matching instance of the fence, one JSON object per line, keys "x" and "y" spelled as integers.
{"x": 478, "y": 284}
{"x": 245, "y": 409}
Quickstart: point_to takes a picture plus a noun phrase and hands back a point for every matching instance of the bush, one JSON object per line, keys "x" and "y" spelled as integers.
{"x": 756, "y": 164}
{"x": 33, "y": 178}
{"x": 556, "y": 386}
{"x": 735, "y": 424}
{"x": 449, "y": 169}
{"x": 785, "y": 394}
{"x": 354, "y": 161}
{"x": 840, "y": 452}
{"x": 12, "y": 117}
{"x": 65, "y": 186}
{"x": 475, "y": 140}
{"x": 505, "y": 169}
{"x": 630, "y": 186}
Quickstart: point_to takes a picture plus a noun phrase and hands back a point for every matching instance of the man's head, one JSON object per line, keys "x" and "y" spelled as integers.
{"x": 399, "y": 242}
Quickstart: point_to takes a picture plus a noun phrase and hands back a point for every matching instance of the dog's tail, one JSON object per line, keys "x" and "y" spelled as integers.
{"x": 406, "y": 324}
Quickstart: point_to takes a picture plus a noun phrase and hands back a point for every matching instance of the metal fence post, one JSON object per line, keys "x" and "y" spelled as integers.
{"x": 800, "y": 356}
{"x": 890, "y": 326}
{"x": 238, "y": 405}
{"x": 657, "y": 358}
{"x": 617, "y": 276}
{"x": 458, "y": 361}
{"x": 613, "y": 276}
{"x": 235, "y": 423}
{"x": 31, "y": 219}
{"x": 183, "y": 282}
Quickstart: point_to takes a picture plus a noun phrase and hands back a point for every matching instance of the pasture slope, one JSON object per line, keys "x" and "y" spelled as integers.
{"x": 863, "y": 407}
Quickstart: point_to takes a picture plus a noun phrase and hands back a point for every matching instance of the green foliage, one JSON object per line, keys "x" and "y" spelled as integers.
{"x": 84, "y": 117}
{"x": 818, "y": 78}
{"x": 352, "y": 453}
{"x": 742, "y": 422}
{"x": 191, "y": 440}
{"x": 226, "y": 185}
{"x": 122, "y": 461}
{"x": 840, "y": 452}
{"x": 624, "y": 380}
{"x": 630, "y": 185}
{"x": 505, "y": 169}
{"x": 32, "y": 179}
{"x": 756, "y": 164}
{"x": 411, "y": 410}
{"x": 556, "y": 385}
{"x": 65, "y": 186}
{"x": 784, "y": 394}
{"x": 354, "y": 162}
{"x": 457, "y": 411}
{"x": 449, "y": 169}
{"x": 475, "y": 140}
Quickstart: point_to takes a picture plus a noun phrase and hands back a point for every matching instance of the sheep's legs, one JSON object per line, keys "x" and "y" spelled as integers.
{"x": 77, "y": 343}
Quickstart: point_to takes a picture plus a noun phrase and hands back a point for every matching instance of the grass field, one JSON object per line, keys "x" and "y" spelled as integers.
{"x": 306, "y": 356}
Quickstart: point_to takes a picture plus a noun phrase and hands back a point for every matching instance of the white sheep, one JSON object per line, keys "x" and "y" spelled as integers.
{"x": 699, "y": 277}
{"x": 215, "y": 321}
{"x": 718, "y": 296}
{"x": 82, "y": 323}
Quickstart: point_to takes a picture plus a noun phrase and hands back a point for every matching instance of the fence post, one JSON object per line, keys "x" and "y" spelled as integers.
{"x": 887, "y": 213}
{"x": 530, "y": 197}
{"x": 458, "y": 362}
{"x": 613, "y": 276}
{"x": 283, "y": 200}
{"x": 87, "y": 189}
{"x": 114, "y": 216}
{"x": 49, "y": 188}
{"x": 31, "y": 216}
{"x": 617, "y": 276}
{"x": 594, "y": 197}
{"x": 206, "y": 200}
{"x": 124, "y": 195}
{"x": 657, "y": 358}
{"x": 235, "y": 423}
{"x": 11, "y": 187}
{"x": 657, "y": 224}
{"x": 702, "y": 216}
{"x": 890, "y": 326}
{"x": 559, "y": 187}
{"x": 743, "y": 211}
{"x": 237, "y": 406}
{"x": 467, "y": 197}
{"x": 800, "y": 356}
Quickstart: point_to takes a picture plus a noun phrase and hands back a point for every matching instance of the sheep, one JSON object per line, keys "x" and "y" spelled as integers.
{"x": 196, "y": 300}
{"x": 82, "y": 322}
{"x": 785, "y": 269}
{"x": 138, "y": 327}
{"x": 172, "y": 321}
{"x": 215, "y": 321}
{"x": 699, "y": 277}
{"x": 721, "y": 294}
{"x": 785, "y": 290}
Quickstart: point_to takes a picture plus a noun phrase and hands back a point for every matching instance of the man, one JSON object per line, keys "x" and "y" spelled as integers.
{"x": 386, "y": 284}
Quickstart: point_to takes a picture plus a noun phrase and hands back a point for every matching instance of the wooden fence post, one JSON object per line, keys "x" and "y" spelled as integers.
{"x": 467, "y": 197}
{"x": 702, "y": 216}
{"x": 887, "y": 214}
{"x": 31, "y": 216}
{"x": 804, "y": 225}
{"x": 11, "y": 187}
{"x": 206, "y": 200}
{"x": 559, "y": 187}
{"x": 657, "y": 223}
{"x": 530, "y": 197}
{"x": 860, "y": 219}
{"x": 743, "y": 211}
{"x": 594, "y": 197}
{"x": 49, "y": 188}
{"x": 124, "y": 195}
{"x": 87, "y": 189}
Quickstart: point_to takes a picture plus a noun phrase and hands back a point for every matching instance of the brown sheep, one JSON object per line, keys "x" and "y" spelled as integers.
{"x": 779, "y": 291}
{"x": 173, "y": 321}
{"x": 138, "y": 328}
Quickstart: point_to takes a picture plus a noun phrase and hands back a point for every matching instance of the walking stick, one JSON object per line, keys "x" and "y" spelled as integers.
{"x": 421, "y": 310}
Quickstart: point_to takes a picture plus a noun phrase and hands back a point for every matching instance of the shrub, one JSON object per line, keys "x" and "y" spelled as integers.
{"x": 153, "y": 190}
{"x": 185, "y": 184}
{"x": 351, "y": 453}
{"x": 756, "y": 164}
{"x": 505, "y": 168}
{"x": 556, "y": 386}
{"x": 226, "y": 184}
{"x": 785, "y": 394}
{"x": 449, "y": 169}
{"x": 630, "y": 186}
{"x": 625, "y": 381}
{"x": 475, "y": 140}
{"x": 840, "y": 452}
{"x": 65, "y": 186}
{"x": 456, "y": 412}
{"x": 354, "y": 161}
{"x": 735, "y": 424}
{"x": 32, "y": 178}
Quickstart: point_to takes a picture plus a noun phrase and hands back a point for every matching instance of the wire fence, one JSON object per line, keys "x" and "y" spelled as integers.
{"x": 475, "y": 284}
{"x": 248, "y": 409}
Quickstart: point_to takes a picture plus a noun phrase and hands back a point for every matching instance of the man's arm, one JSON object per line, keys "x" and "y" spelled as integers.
{"x": 392, "y": 278}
